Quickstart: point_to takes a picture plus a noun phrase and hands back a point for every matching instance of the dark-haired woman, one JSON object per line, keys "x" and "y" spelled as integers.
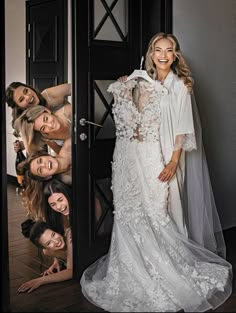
{"x": 20, "y": 96}
{"x": 57, "y": 202}
{"x": 39, "y": 168}
{"x": 54, "y": 244}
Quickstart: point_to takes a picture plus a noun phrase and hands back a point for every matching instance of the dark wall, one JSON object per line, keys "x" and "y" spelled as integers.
{"x": 156, "y": 17}
{"x": 209, "y": 48}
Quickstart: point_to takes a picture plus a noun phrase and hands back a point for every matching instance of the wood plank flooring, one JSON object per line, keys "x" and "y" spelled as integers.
{"x": 24, "y": 265}
{"x": 65, "y": 296}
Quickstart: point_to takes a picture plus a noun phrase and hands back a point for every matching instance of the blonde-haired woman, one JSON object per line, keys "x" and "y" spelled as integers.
{"x": 20, "y": 96}
{"x": 152, "y": 265}
{"x": 38, "y": 125}
{"x": 179, "y": 65}
{"x": 190, "y": 199}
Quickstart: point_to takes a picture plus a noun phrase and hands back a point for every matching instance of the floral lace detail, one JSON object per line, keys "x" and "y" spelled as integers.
{"x": 127, "y": 201}
{"x": 131, "y": 286}
{"x": 186, "y": 142}
{"x": 150, "y": 267}
{"x": 136, "y": 110}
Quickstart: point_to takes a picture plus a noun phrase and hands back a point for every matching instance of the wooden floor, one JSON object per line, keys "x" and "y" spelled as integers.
{"x": 64, "y": 296}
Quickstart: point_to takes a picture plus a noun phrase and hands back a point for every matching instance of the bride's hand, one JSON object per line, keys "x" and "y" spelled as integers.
{"x": 168, "y": 172}
{"x": 122, "y": 79}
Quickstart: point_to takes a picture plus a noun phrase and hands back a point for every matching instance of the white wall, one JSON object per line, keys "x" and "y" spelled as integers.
{"x": 206, "y": 30}
{"x": 15, "y": 64}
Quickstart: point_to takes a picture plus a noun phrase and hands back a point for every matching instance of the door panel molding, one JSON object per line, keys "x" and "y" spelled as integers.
{"x": 46, "y": 42}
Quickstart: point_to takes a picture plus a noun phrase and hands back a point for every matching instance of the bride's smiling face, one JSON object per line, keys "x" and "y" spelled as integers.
{"x": 44, "y": 166}
{"x": 163, "y": 54}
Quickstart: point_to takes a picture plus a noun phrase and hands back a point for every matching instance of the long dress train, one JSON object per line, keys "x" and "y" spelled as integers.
{"x": 151, "y": 266}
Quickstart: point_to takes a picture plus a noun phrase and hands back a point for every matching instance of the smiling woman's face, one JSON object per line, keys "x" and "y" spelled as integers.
{"x": 44, "y": 166}
{"x": 163, "y": 55}
{"x": 46, "y": 123}
{"x": 59, "y": 203}
{"x": 25, "y": 97}
{"x": 51, "y": 240}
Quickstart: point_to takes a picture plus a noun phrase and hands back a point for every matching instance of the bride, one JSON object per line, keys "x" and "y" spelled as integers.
{"x": 153, "y": 265}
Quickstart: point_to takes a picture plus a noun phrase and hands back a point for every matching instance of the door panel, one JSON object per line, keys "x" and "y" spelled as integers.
{"x": 107, "y": 42}
{"x": 46, "y": 43}
{"x": 108, "y": 54}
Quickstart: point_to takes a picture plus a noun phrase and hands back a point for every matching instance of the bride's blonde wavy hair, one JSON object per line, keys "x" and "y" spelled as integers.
{"x": 179, "y": 66}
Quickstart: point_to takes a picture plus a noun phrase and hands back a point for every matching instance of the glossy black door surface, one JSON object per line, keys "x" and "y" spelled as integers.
{"x": 106, "y": 45}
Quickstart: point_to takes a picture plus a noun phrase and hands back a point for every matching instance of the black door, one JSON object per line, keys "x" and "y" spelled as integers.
{"x": 46, "y": 41}
{"x": 108, "y": 40}
{"x": 106, "y": 44}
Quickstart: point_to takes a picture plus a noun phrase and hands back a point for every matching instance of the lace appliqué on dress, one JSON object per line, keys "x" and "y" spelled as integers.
{"x": 150, "y": 267}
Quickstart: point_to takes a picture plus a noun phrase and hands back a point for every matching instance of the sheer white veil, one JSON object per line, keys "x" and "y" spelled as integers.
{"x": 199, "y": 206}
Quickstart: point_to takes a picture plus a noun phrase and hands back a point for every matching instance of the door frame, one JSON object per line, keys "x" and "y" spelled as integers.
{"x": 86, "y": 250}
{"x": 5, "y": 294}
{"x": 81, "y": 94}
{"x": 166, "y": 26}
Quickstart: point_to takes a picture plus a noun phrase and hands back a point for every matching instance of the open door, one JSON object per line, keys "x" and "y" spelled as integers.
{"x": 108, "y": 39}
{"x": 106, "y": 45}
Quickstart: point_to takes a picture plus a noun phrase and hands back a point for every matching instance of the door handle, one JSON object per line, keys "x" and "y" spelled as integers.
{"x": 83, "y": 122}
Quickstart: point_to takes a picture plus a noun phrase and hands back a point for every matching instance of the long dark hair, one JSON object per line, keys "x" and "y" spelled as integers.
{"x": 55, "y": 186}
{"x": 16, "y": 110}
{"x": 33, "y": 230}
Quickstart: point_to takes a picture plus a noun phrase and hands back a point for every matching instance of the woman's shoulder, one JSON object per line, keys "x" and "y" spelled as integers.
{"x": 178, "y": 84}
{"x": 57, "y": 95}
{"x": 178, "y": 81}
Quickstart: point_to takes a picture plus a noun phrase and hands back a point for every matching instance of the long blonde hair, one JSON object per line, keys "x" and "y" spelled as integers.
{"x": 32, "y": 196}
{"x": 33, "y": 140}
{"x": 179, "y": 66}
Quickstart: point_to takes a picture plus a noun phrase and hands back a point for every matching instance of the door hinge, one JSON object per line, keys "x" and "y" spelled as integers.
{"x": 28, "y": 53}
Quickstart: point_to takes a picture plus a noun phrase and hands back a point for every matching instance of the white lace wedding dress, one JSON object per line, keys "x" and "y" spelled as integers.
{"x": 150, "y": 266}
